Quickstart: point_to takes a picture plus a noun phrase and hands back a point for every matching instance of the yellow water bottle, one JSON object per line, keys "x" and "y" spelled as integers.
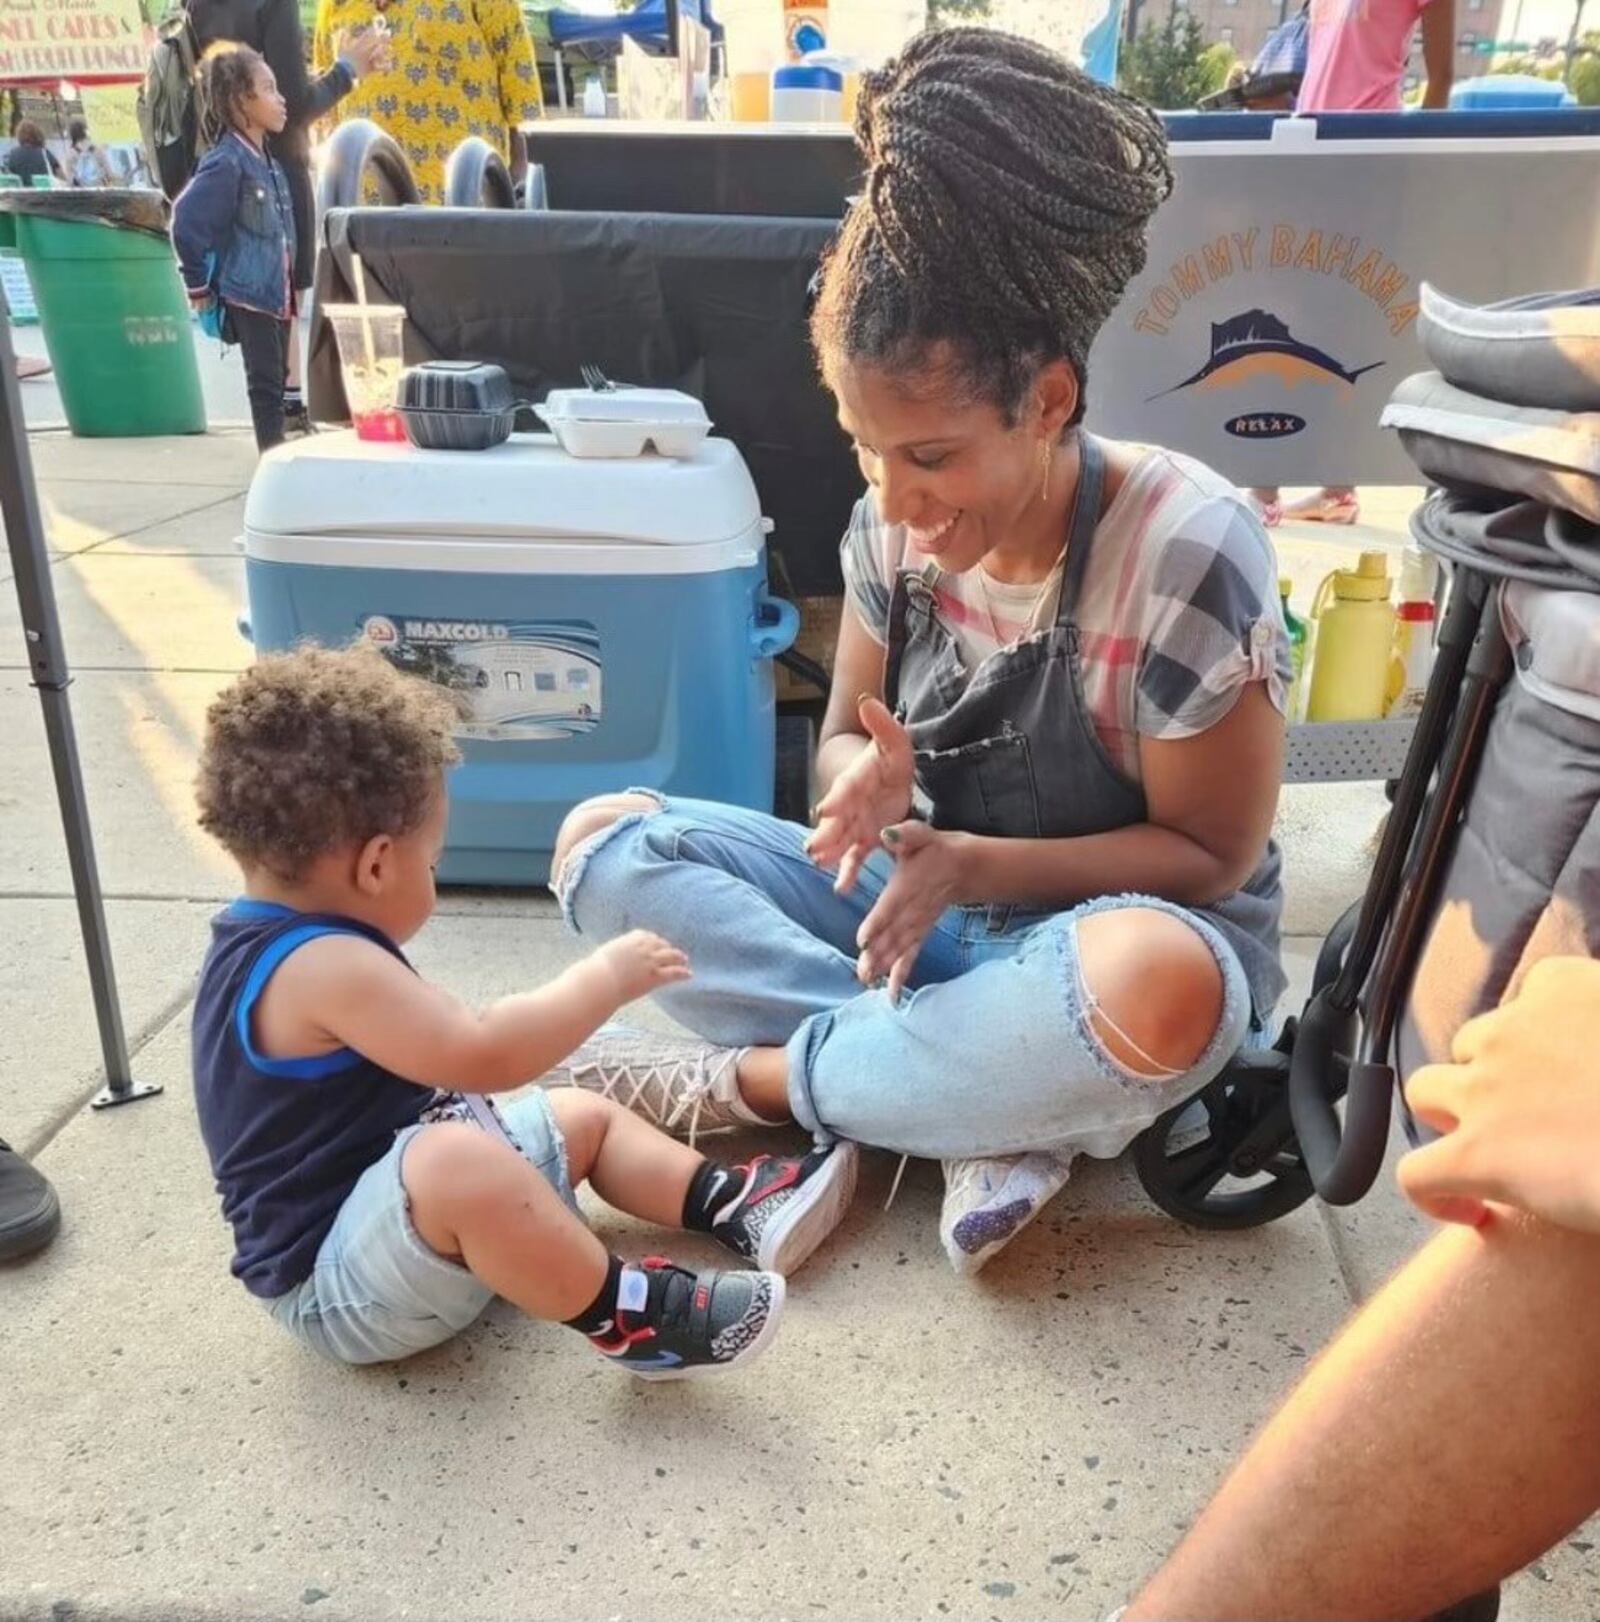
{"x": 1354, "y": 622}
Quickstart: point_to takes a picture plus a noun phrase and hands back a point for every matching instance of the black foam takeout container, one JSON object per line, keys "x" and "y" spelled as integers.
{"x": 456, "y": 405}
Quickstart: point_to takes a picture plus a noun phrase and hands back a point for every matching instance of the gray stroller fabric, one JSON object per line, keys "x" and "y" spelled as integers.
{"x": 1510, "y": 539}
{"x": 1524, "y": 880}
{"x": 1542, "y": 351}
{"x": 1510, "y": 428}
{"x": 1468, "y": 442}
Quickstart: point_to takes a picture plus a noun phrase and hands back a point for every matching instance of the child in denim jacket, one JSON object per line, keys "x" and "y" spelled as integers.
{"x": 233, "y": 228}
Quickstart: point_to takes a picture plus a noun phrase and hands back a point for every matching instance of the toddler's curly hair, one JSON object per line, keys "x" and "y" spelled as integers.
{"x": 318, "y": 750}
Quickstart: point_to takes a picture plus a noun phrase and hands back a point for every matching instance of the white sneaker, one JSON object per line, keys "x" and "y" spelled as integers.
{"x": 679, "y": 1083}
{"x": 988, "y": 1202}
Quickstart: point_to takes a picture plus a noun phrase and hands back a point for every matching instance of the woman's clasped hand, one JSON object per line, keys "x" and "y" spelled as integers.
{"x": 868, "y": 809}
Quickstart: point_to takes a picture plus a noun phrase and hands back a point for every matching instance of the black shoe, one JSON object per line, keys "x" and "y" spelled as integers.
{"x": 783, "y": 1209}
{"x": 29, "y": 1210}
{"x": 297, "y": 423}
{"x": 690, "y": 1324}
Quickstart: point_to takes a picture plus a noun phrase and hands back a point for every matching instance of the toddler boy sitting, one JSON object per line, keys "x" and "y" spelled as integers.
{"x": 379, "y": 1198}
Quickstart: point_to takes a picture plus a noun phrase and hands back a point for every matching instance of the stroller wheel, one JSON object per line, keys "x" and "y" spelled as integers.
{"x": 1195, "y": 1164}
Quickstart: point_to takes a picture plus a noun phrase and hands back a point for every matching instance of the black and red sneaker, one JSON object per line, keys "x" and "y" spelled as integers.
{"x": 672, "y": 1324}
{"x": 779, "y": 1210}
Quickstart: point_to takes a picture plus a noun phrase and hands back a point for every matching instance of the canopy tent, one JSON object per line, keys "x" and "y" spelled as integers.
{"x": 648, "y": 24}
{"x": 651, "y": 25}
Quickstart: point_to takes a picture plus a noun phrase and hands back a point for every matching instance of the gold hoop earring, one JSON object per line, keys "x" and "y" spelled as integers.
{"x": 1047, "y": 454}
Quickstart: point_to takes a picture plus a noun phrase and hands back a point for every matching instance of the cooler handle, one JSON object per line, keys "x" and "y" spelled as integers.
{"x": 245, "y": 629}
{"x": 776, "y": 625}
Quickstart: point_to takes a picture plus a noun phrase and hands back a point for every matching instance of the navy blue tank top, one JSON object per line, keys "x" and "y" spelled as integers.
{"x": 288, "y": 1138}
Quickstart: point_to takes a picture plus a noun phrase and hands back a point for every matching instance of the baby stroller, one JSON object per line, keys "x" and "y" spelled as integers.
{"x": 1491, "y": 856}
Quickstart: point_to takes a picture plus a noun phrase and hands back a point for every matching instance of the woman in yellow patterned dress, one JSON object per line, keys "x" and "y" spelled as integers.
{"x": 461, "y": 67}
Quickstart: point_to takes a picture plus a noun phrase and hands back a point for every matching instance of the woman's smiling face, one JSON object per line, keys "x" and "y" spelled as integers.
{"x": 952, "y": 470}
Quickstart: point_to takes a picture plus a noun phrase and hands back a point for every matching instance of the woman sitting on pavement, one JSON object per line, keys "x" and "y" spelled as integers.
{"x": 1052, "y": 755}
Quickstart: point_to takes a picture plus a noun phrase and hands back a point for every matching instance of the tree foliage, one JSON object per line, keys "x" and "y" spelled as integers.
{"x": 941, "y": 12}
{"x": 1170, "y": 66}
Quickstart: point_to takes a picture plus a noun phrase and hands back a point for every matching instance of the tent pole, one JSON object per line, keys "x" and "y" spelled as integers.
{"x": 47, "y": 666}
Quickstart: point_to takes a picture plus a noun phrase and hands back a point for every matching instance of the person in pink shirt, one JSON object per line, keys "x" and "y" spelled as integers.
{"x": 1356, "y": 63}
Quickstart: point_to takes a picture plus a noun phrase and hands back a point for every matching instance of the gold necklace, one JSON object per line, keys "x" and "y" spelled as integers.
{"x": 1033, "y": 607}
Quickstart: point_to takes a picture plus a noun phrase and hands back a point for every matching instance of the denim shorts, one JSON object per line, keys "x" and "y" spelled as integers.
{"x": 377, "y": 1291}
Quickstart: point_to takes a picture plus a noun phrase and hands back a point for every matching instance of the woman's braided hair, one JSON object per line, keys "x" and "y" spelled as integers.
{"x": 224, "y": 79}
{"x": 1004, "y": 212}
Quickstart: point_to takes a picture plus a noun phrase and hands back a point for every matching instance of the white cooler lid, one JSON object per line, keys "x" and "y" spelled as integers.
{"x": 528, "y": 489}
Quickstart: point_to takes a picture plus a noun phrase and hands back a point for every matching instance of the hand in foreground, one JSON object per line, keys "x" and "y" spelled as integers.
{"x": 640, "y": 962}
{"x": 870, "y": 794}
{"x": 1520, "y": 1107}
{"x": 927, "y": 877}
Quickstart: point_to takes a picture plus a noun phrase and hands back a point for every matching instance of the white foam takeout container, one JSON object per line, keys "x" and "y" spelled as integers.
{"x": 623, "y": 421}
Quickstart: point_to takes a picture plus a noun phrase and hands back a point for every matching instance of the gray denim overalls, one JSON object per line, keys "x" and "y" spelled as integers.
{"x": 1011, "y": 752}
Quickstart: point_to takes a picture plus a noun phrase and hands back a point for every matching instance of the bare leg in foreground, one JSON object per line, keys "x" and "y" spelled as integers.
{"x": 1448, "y": 1436}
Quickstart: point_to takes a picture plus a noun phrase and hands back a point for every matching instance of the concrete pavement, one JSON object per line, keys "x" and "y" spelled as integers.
{"x": 1025, "y": 1445}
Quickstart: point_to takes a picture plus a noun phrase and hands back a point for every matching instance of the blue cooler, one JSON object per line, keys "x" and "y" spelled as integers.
{"x": 605, "y": 622}
{"x": 1509, "y": 92}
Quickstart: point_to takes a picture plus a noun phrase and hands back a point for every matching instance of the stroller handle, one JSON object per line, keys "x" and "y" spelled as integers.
{"x": 1347, "y": 1031}
{"x": 1343, "y": 1162}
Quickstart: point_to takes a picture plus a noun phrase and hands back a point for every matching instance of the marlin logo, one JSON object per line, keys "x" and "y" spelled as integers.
{"x": 1258, "y": 344}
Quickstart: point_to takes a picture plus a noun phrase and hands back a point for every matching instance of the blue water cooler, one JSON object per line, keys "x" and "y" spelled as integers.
{"x": 605, "y": 624}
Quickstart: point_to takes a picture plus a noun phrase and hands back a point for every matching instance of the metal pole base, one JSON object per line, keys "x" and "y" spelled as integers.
{"x": 131, "y": 1093}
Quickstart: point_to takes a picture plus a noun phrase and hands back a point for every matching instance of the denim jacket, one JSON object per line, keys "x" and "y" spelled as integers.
{"x": 233, "y": 228}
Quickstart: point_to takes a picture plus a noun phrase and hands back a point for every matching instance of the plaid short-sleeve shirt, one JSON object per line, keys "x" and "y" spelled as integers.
{"x": 1179, "y": 609}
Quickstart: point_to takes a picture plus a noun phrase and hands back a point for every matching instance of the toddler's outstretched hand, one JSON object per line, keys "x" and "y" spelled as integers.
{"x": 640, "y": 962}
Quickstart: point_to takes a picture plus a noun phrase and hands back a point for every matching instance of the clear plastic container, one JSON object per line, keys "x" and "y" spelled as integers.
{"x": 1411, "y": 665}
{"x": 807, "y": 93}
{"x": 760, "y": 35}
{"x": 371, "y": 339}
{"x": 753, "y": 47}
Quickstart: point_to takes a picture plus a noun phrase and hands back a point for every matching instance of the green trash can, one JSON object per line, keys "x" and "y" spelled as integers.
{"x": 115, "y": 317}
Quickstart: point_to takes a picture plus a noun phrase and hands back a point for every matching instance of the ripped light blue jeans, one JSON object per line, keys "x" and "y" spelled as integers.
{"x": 990, "y": 1051}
